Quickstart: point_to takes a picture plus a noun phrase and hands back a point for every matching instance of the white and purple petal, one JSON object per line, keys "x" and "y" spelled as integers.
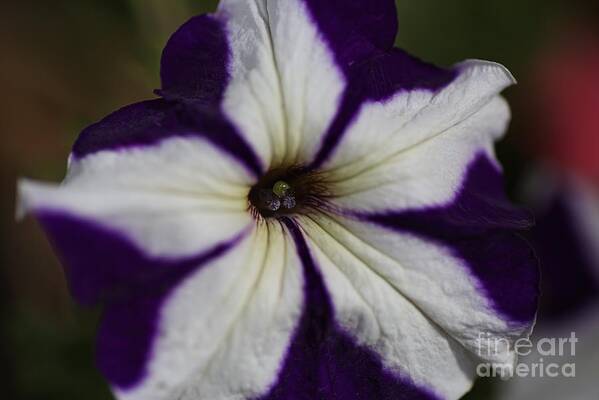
{"x": 439, "y": 101}
{"x": 151, "y": 122}
{"x": 379, "y": 317}
{"x": 359, "y": 40}
{"x": 161, "y": 197}
{"x": 479, "y": 226}
{"x": 433, "y": 220}
{"x": 285, "y": 85}
{"x": 291, "y": 79}
{"x": 225, "y": 328}
{"x": 104, "y": 267}
{"x": 373, "y": 82}
{"x": 324, "y": 360}
{"x": 455, "y": 260}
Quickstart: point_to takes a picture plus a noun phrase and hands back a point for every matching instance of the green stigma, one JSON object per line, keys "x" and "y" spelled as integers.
{"x": 281, "y": 188}
{"x": 283, "y": 192}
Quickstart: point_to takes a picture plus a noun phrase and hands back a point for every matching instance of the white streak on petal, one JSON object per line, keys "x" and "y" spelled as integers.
{"x": 253, "y": 99}
{"x": 428, "y": 174}
{"x": 379, "y": 316}
{"x": 285, "y": 86}
{"x": 384, "y": 129}
{"x": 311, "y": 80}
{"x": 174, "y": 199}
{"x": 430, "y": 277}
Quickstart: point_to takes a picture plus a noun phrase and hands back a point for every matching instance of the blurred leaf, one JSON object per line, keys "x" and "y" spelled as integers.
{"x": 54, "y": 361}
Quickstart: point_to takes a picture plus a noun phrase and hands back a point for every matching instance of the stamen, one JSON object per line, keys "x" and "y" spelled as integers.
{"x": 288, "y": 202}
{"x": 269, "y": 200}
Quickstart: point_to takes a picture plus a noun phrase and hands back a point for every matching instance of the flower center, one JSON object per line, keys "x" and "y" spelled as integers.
{"x": 286, "y": 191}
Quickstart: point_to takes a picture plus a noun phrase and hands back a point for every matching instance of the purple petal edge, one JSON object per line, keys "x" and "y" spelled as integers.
{"x": 355, "y": 29}
{"x": 194, "y": 61}
{"x": 480, "y": 227}
{"x": 102, "y": 266}
{"x": 322, "y": 361}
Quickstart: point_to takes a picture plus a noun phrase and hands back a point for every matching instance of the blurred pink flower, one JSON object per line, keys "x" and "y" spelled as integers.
{"x": 567, "y": 88}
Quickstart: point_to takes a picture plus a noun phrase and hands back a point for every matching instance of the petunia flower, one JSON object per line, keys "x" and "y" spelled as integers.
{"x": 306, "y": 212}
{"x": 566, "y": 108}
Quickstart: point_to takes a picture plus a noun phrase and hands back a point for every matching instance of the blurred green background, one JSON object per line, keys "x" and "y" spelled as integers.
{"x": 66, "y": 63}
